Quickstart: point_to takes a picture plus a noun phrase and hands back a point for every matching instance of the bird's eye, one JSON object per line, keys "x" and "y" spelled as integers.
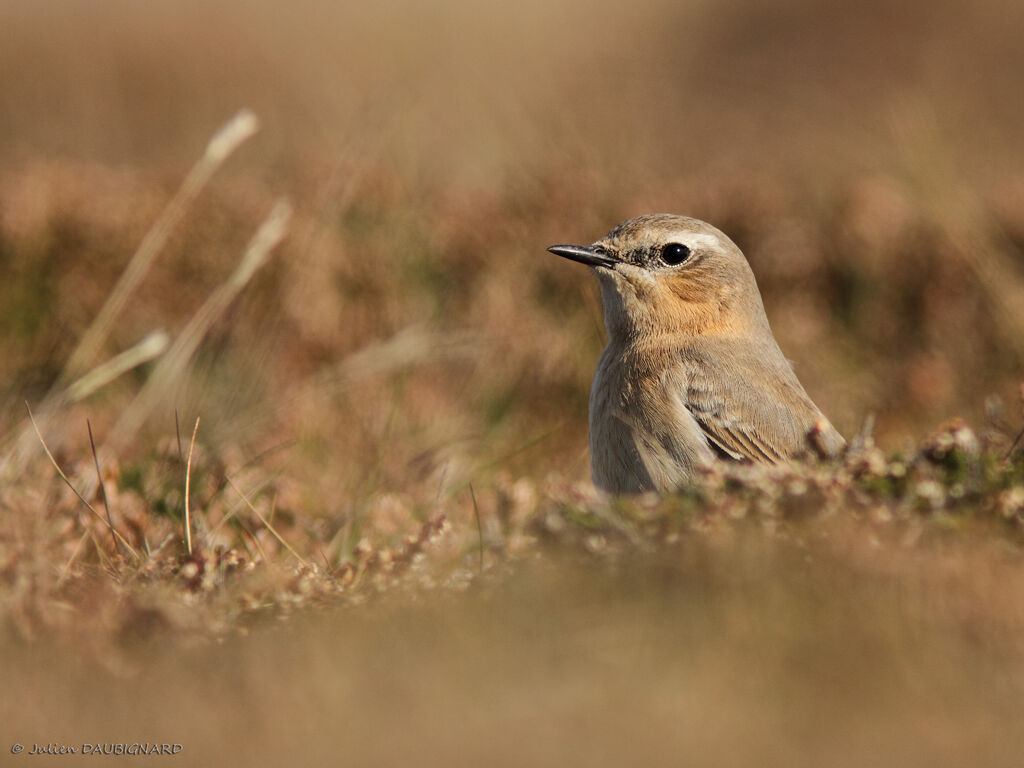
{"x": 674, "y": 253}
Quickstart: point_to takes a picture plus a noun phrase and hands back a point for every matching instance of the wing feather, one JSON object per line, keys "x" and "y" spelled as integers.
{"x": 748, "y": 421}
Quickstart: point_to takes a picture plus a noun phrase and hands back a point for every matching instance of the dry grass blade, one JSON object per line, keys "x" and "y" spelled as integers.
{"x": 99, "y": 480}
{"x": 1014, "y": 444}
{"x": 224, "y": 142}
{"x": 188, "y": 483}
{"x": 267, "y": 523}
{"x": 479, "y": 526}
{"x": 1017, "y": 439}
{"x": 70, "y": 485}
{"x": 169, "y": 370}
{"x": 177, "y": 434}
{"x": 410, "y": 346}
{"x": 148, "y": 349}
{"x": 66, "y": 570}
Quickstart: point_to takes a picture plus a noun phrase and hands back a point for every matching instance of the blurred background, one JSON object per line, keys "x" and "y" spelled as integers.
{"x": 411, "y": 330}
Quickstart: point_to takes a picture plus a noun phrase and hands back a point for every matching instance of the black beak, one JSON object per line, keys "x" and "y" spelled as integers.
{"x": 591, "y": 255}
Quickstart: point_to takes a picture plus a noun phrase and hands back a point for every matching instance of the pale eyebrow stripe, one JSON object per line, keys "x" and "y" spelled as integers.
{"x": 702, "y": 240}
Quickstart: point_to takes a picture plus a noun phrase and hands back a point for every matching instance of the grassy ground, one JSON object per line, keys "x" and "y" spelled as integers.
{"x": 395, "y": 552}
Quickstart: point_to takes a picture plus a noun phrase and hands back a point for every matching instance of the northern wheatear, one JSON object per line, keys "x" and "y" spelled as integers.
{"x": 691, "y": 371}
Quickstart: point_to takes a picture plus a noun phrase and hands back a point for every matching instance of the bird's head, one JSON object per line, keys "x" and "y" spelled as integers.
{"x": 666, "y": 274}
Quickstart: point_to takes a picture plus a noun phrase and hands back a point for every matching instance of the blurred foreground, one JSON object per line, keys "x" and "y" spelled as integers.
{"x": 743, "y": 654}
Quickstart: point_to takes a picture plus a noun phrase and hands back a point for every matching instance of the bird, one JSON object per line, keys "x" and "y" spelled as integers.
{"x": 691, "y": 373}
